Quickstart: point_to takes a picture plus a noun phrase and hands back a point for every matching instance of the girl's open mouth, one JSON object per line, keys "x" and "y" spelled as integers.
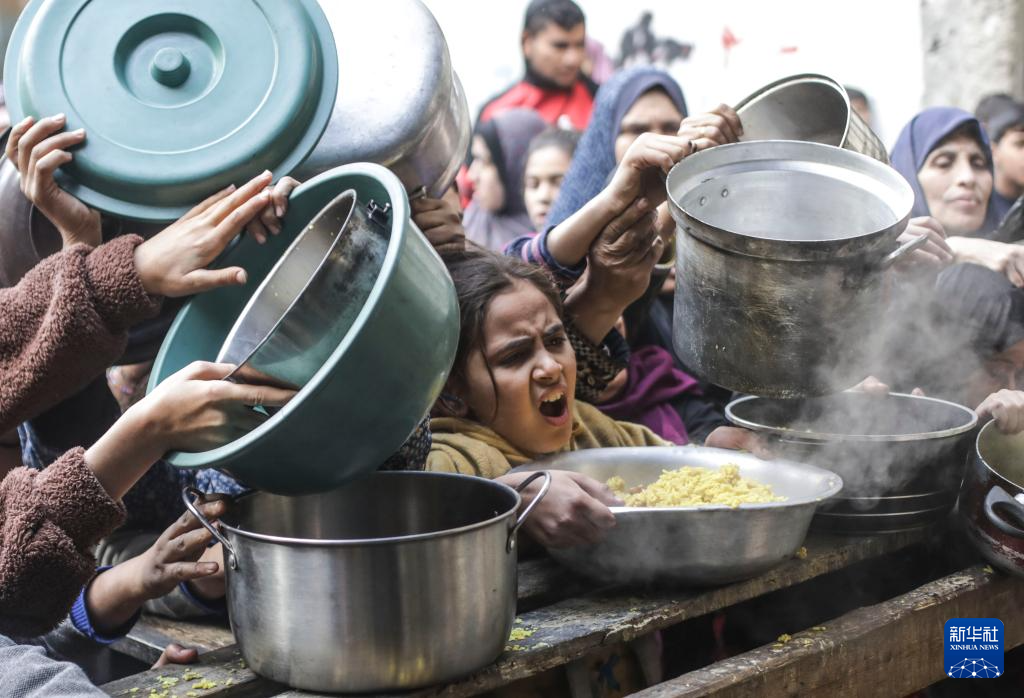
{"x": 555, "y": 408}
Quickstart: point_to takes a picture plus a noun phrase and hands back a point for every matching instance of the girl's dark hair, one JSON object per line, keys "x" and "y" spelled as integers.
{"x": 479, "y": 276}
{"x": 562, "y": 138}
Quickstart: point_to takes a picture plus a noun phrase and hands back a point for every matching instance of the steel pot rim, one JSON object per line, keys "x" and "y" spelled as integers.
{"x": 982, "y": 434}
{"x": 831, "y": 250}
{"x": 815, "y": 438}
{"x": 517, "y": 521}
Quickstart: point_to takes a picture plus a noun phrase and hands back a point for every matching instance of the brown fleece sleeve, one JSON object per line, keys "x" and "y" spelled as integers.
{"x": 64, "y": 323}
{"x": 49, "y": 522}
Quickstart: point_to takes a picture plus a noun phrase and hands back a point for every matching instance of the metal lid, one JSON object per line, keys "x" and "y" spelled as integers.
{"x": 179, "y": 98}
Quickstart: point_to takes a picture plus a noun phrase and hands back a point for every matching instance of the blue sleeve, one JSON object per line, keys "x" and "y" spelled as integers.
{"x": 83, "y": 623}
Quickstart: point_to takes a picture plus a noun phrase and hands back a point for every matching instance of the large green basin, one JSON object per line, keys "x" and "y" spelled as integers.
{"x": 376, "y": 386}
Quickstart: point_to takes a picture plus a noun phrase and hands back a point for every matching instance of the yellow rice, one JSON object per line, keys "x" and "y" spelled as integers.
{"x": 689, "y": 486}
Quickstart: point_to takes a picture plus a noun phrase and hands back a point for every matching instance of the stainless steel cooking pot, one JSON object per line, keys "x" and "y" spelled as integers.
{"x": 781, "y": 253}
{"x": 395, "y": 581}
{"x": 992, "y": 498}
{"x": 695, "y": 546}
{"x": 900, "y": 456}
{"x": 400, "y": 103}
{"x": 808, "y": 107}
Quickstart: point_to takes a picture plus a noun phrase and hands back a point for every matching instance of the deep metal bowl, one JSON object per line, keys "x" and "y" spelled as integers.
{"x": 808, "y": 107}
{"x": 309, "y": 300}
{"x": 992, "y": 498}
{"x": 901, "y": 456}
{"x": 694, "y": 546}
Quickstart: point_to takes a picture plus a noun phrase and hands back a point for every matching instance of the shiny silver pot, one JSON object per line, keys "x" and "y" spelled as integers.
{"x": 395, "y": 581}
{"x": 901, "y": 457}
{"x": 400, "y": 103}
{"x": 808, "y": 107}
{"x": 992, "y": 498}
{"x": 781, "y": 252}
{"x": 694, "y": 546}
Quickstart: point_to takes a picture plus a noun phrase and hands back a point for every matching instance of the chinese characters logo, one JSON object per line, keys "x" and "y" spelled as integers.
{"x": 974, "y": 648}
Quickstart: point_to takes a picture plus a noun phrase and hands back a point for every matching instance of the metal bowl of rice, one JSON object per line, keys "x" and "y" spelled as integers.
{"x": 746, "y": 531}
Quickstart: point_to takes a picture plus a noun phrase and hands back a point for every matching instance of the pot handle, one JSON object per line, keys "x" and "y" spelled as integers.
{"x": 902, "y": 251}
{"x": 997, "y": 496}
{"x": 511, "y": 543}
{"x": 187, "y": 493}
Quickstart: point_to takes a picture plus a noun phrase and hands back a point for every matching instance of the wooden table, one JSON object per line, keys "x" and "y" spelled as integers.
{"x": 568, "y": 619}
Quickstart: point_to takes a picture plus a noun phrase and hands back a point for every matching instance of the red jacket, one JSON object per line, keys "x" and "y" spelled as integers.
{"x": 575, "y": 103}
{"x": 548, "y": 100}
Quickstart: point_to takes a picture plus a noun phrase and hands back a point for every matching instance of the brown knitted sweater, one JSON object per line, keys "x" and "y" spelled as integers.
{"x": 60, "y": 327}
{"x": 65, "y": 323}
{"x": 49, "y": 522}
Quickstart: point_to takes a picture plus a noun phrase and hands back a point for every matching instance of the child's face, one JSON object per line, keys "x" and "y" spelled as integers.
{"x": 529, "y": 403}
{"x": 1008, "y": 154}
{"x": 543, "y": 180}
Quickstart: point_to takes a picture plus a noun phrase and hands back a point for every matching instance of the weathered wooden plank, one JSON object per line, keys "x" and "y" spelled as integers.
{"x": 543, "y": 582}
{"x": 152, "y": 633}
{"x": 570, "y": 629}
{"x": 904, "y": 636}
{"x": 221, "y": 673}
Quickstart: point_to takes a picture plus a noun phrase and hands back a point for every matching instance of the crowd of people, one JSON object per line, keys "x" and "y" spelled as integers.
{"x": 560, "y": 245}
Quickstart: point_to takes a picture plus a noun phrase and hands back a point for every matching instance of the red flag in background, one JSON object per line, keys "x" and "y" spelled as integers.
{"x": 729, "y": 40}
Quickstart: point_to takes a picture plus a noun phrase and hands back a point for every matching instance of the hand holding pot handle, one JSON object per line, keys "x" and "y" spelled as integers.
{"x": 522, "y": 517}
{"x": 187, "y": 494}
{"x": 903, "y": 250}
{"x": 1008, "y": 505}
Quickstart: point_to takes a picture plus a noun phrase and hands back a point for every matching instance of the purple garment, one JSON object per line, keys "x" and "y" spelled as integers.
{"x": 654, "y": 382}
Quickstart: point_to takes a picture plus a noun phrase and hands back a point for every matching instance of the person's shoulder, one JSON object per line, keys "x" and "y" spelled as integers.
{"x": 509, "y": 98}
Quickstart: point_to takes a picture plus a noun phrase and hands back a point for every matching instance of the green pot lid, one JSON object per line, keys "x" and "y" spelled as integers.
{"x": 178, "y": 98}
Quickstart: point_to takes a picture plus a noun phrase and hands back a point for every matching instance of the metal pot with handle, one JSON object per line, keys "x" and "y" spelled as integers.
{"x": 782, "y": 248}
{"x": 992, "y": 498}
{"x": 396, "y": 581}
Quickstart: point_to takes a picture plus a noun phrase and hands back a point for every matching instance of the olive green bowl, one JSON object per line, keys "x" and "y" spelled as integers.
{"x": 376, "y": 386}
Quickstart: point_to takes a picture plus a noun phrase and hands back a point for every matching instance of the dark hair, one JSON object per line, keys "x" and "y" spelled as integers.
{"x": 990, "y": 105}
{"x": 564, "y": 139}
{"x": 541, "y": 13}
{"x": 479, "y": 276}
{"x": 854, "y": 93}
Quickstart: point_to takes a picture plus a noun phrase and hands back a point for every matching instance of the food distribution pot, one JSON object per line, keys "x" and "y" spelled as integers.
{"x": 900, "y": 456}
{"x": 808, "y": 107}
{"x": 992, "y": 498}
{"x": 396, "y": 581}
{"x": 781, "y": 252}
{"x": 696, "y": 546}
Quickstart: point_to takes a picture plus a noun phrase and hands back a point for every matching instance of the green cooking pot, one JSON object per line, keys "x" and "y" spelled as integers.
{"x": 375, "y": 387}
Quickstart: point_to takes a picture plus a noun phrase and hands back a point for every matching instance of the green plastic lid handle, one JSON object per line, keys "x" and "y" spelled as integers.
{"x": 170, "y": 67}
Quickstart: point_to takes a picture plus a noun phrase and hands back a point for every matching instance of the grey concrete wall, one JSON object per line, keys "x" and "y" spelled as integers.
{"x": 971, "y": 48}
